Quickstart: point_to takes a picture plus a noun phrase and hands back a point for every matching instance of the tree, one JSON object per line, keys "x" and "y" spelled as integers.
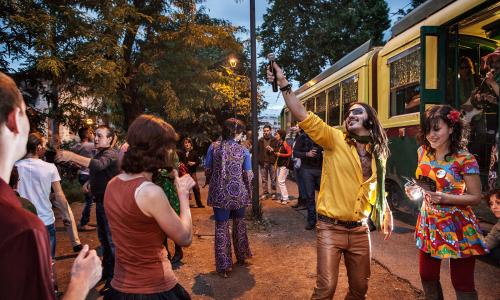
{"x": 134, "y": 56}
{"x": 48, "y": 40}
{"x": 307, "y": 36}
{"x": 413, "y": 4}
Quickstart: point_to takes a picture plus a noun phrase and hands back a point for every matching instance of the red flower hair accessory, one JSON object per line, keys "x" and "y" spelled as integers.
{"x": 453, "y": 116}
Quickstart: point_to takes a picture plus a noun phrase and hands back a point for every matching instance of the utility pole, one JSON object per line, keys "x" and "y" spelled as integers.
{"x": 256, "y": 209}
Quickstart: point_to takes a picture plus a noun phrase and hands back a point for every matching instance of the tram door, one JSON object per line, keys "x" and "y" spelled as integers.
{"x": 453, "y": 72}
{"x": 433, "y": 66}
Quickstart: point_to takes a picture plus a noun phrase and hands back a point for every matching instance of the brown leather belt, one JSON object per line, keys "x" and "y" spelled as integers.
{"x": 346, "y": 224}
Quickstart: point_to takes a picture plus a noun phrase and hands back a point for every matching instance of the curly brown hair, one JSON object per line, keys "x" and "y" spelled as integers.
{"x": 430, "y": 120}
{"x": 149, "y": 139}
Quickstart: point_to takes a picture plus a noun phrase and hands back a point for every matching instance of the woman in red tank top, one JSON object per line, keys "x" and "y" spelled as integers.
{"x": 140, "y": 216}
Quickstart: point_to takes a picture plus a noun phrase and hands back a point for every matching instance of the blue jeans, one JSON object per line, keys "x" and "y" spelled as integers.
{"x": 51, "y": 230}
{"x": 312, "y": 179}
{"x": 222, "y": 214}
{"x": 82, "y": 178}
{"x": 300, "y": 183}
{"x": 104, "y": 235}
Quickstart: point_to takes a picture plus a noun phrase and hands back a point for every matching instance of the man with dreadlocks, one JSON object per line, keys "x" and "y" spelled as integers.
{"x": 352, "y": 186}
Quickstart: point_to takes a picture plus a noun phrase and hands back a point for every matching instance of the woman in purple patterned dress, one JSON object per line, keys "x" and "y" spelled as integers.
{"x": 229, "y": 174}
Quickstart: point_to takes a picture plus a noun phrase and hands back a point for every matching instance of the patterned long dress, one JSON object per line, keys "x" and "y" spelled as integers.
{"x": 229, "y": 190}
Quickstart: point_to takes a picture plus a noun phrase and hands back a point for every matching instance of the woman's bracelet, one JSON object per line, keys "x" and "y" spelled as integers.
{"x": 287, "y": 89}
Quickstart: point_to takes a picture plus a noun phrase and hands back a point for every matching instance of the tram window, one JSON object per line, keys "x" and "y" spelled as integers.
{"x": 334, "y": 106}
{"x": 287, "y": 119}
{"x": 405, "y": 84}
{"x": 349, "y": 91}
{"x": 310, "y": 104}
{"x": 321, "y": 106}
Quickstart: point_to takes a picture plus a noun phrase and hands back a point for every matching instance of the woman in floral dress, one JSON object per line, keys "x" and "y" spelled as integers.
{"x": 446, "y": 227}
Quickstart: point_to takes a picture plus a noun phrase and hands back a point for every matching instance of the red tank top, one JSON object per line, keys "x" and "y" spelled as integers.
{"x": 141, "y": 263}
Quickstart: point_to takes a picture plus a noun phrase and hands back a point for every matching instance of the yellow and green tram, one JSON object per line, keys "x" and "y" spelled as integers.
{"x": 419, "y": 66}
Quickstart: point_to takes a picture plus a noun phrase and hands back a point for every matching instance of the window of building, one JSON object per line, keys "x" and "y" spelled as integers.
{"x": 334, "y": 106}
{"x": 405, "y": 82}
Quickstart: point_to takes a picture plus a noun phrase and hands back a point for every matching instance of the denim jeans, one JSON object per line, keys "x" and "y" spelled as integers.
{"x": 51, "y": 230}
{"x": 104, "y": 235}
{"x": 312, "y": 179}
{"x": 82, "y": 178}
{"x": 300, "y": 183}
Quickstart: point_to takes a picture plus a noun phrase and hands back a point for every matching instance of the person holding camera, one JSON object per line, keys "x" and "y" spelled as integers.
{"x": 351, "y": 187}
{"x": 446, "y": 226}
{"x": 140, "y": 215}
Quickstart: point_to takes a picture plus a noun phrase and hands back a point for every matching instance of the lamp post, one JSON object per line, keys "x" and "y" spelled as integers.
{"x": 256, "y": 208}
{"x": 233, "y": 61}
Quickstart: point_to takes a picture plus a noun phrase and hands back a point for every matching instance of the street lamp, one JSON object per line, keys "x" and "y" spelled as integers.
{"x": 233, "y": 61}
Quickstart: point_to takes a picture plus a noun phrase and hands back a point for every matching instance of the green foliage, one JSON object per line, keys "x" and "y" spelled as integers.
{"x": 307, "y": 36}
{"x": 413, "y": 4}
{"x": 167, "y": 58}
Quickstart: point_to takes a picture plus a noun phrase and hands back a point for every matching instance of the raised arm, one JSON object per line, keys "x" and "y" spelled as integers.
{"x": 298, "y": 110}
{"x": 65, "y": 155}
{"x": 153, "y": 202}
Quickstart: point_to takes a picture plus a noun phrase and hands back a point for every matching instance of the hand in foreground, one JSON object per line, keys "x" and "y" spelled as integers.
{"x": 387, "y": 225}
{"x": 86, "y": 270}
{"x": 433, "y": 198}
{"x": 280, "y": 76}
{"x": 311, "y": 153}
{"x": 184, "y": 184}
{"x": 86, "y": 187}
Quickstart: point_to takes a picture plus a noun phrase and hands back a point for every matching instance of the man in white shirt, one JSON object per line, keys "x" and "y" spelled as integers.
{"x": 36, "y": 178}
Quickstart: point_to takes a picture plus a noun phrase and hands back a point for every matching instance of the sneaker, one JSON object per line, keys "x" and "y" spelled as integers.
{"x": 85, "y": 228}
{"x": 264, "y": 196}
{"x": 274, "y": 196}
{"x": 284, "y": 202}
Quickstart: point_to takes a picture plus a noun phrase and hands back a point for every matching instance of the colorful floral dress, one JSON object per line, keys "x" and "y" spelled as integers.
{"x": 448, "y": 231}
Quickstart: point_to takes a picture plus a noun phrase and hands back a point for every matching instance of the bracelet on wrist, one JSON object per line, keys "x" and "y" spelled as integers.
{"x": 286, "y": 89}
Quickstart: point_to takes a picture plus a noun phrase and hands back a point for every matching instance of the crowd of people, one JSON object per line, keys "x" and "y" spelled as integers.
{"x": 142, "y": 189}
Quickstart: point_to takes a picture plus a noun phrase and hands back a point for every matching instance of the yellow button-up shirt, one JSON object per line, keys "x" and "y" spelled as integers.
{"x": 343, "y": 195}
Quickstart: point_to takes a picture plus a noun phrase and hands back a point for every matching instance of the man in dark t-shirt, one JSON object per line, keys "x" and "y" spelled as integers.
{"x": 25, "y": 271}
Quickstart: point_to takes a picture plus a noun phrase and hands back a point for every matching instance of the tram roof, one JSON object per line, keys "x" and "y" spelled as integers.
{"x": 344, "y": 61}
{"x": 418, "y": 14}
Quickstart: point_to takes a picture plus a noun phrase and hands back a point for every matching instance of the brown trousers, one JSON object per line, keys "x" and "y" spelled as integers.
{"x": 332, "y": 242}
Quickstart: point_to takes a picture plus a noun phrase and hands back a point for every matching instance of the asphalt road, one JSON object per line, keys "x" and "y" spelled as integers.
{"x": 400, "y": 256}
